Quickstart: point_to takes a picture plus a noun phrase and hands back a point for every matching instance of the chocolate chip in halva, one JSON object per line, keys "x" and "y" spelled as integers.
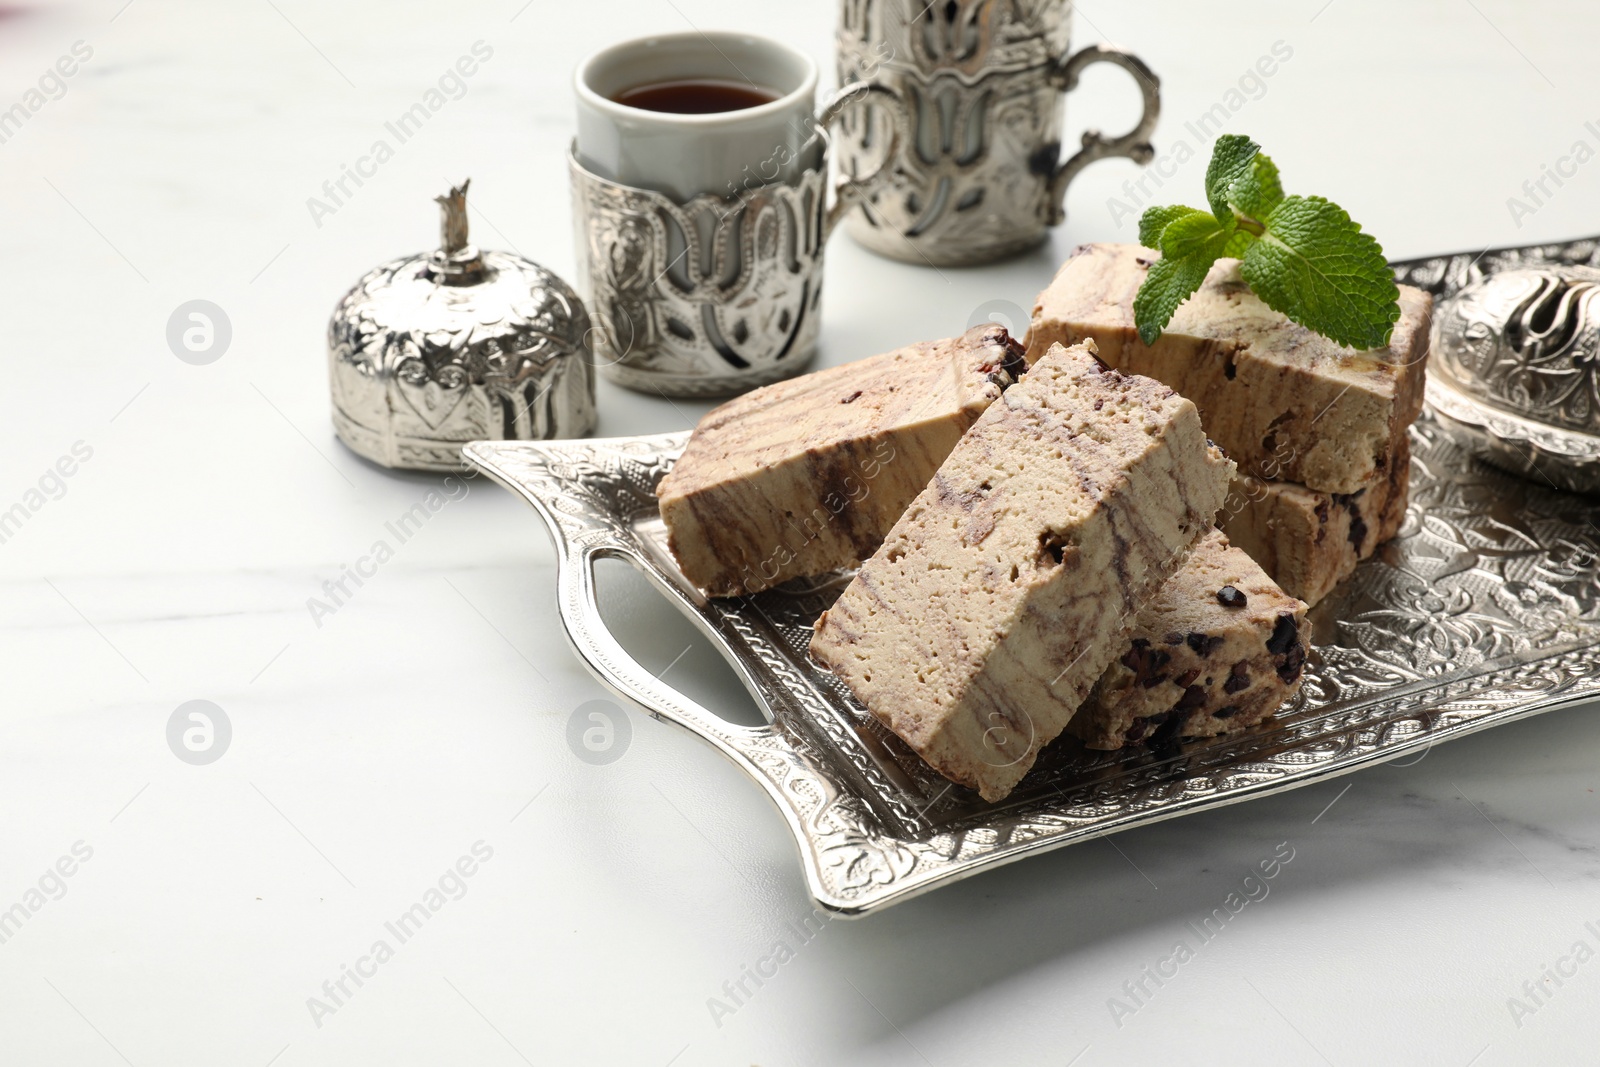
{"x": 1238, "y": 678}
{"x": 1146, "y": 663}
{"x": 1293, "y": 662}
{"x": 1283, "y": 634}
{"x": 1231, "y": 597}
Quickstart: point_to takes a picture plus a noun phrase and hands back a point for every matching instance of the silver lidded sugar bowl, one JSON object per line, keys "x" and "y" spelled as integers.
{"x": 1515, "y": 371}
{"x": 431, "y": 351}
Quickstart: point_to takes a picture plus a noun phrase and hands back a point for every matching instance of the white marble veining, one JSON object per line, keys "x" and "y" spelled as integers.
{"x": 619, "y": 905}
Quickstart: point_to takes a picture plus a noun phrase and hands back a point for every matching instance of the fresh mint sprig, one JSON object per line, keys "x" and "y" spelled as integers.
{"x": 1302, "y": 255}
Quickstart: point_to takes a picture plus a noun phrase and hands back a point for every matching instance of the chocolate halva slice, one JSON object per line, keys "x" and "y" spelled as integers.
{"x": 1283, "y": 402}
{"x": 806, "y": 476}
{"x": 1007, "y": 588}
{"x": 1308, "y": 541}
{"x": 1219, "y": 648}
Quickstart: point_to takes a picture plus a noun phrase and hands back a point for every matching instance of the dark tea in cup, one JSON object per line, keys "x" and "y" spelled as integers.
{"x": 696, "y": 96}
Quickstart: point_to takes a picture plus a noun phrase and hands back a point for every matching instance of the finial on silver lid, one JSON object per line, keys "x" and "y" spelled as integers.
{"x": 457, "y": 262}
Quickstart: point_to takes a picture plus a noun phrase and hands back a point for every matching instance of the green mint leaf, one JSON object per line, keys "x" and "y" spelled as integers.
{"x": 1232, "y": 158}
{"x": 1257, "y": 193}
{"x": 1189, "y": 245}
{"x": 1239, "y": 244}
{"x": 1169, "y": 283}
{"x": 1303, "y": 256}
{"x": 1155, "y": 220}
{"x": 1315, "y": 266}
{"x": 1197, "y": 236}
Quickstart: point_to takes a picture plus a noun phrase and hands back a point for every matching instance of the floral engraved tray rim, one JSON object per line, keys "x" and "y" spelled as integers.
{"x": 1484, "y": 611}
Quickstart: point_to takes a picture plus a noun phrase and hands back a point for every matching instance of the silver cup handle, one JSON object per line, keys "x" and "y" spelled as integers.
{"x": 849, "y": 192}
{"x": 1135, "y": 144}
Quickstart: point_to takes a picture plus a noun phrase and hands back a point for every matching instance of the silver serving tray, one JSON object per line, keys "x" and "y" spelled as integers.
{"x": 1484, "y": 610}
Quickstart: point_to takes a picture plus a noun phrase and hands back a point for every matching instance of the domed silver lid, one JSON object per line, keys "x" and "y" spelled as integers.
{"x": 1514, "y": 367}
{"x": 431, "y": 351}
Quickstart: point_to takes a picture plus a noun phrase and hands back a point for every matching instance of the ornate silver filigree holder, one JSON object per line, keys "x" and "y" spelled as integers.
{"x": 981, "y": 84}
{"x": 717, "y": 295}
{"x": 1514, "y": 371}
{"x": 707, "y": 298}
{"x": 431, "y": 351}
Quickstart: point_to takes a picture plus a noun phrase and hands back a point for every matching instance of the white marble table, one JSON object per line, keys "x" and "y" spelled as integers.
{"x": 373, "y": 748}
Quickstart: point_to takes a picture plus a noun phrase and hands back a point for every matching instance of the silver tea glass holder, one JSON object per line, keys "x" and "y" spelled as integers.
{"x": 715, "y": 295}
{"x": 982, "y": 86}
